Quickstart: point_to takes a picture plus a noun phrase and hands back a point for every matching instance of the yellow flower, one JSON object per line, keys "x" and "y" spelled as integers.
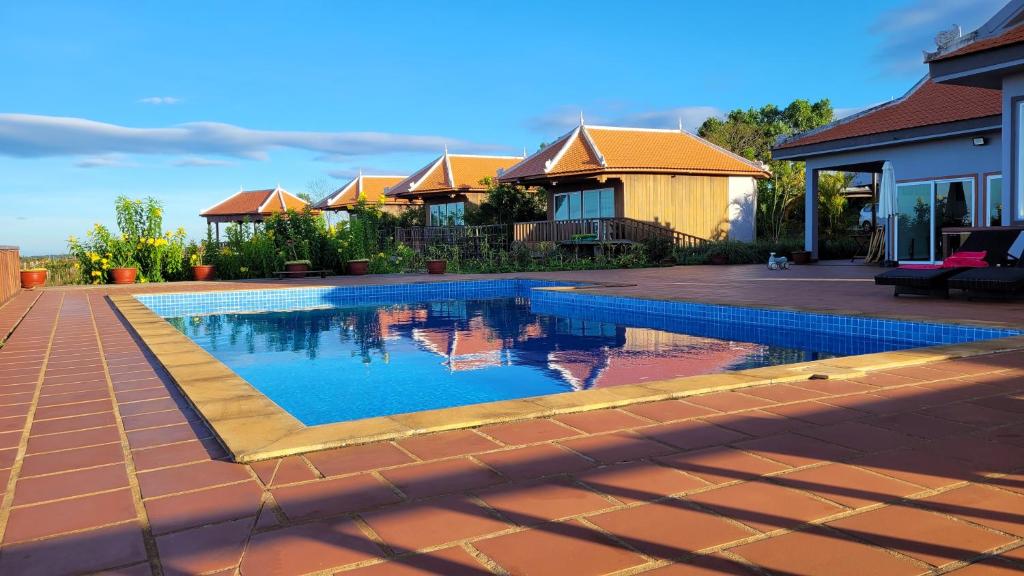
{"x": 150, "y": 241}
{"x": 95, "y": 272}
{"x": 103, "y": 261}
{"x": 94, "y": 256}
{"x": 159, "y": 213}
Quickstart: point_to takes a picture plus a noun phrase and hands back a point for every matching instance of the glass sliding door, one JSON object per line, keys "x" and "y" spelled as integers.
{"x": 914, "y": 222}
{"x": 954, "y": 208}
{"x": 994, "y": 193}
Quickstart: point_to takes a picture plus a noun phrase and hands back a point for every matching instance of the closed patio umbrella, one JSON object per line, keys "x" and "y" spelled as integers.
{"x": 887, "y": 209}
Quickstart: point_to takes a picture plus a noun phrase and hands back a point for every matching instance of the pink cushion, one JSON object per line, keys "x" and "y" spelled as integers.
{"x": 979, "y": 255}
{"x": 958, "y": 261}
{"x": 920, "y": 266}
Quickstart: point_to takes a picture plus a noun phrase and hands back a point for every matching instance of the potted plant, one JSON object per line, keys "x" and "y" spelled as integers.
{"x": 201, "y": 272}
{"x": 123, "y": 268}
{"x": 359, "y": 266}
{"x": 32, "y": 277}
{"x": 437, "y": 266}
{"x": 801, "y": 256}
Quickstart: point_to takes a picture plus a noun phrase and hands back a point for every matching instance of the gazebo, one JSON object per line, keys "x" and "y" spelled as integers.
{"x": 372, "y": 189}
{"x": 252, "y": 206}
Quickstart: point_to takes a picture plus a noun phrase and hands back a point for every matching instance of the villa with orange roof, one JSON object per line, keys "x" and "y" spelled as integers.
{"x": 252, "y": 206}
{"x": 952, "y": 143}
{"x": 369, "y": 188}
{"x": 450, "y": 183}
{"x": 642, "y": 177}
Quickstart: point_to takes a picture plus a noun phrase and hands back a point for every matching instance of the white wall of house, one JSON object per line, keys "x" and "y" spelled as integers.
{"x": 742, "y": 208}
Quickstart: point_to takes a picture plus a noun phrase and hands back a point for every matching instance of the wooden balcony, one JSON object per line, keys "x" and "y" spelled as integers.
{"x": 598, "y": 231}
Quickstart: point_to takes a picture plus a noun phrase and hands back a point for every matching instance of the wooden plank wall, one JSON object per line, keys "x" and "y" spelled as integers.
{"x": 697, "y": 205}
{"x": 10, "y": 273}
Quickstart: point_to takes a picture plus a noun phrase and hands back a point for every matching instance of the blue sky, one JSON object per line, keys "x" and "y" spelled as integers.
{"x": 188, "y": 101}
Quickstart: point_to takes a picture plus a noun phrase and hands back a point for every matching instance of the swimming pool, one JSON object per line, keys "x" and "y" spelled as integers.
{"x": 336, "y": 354}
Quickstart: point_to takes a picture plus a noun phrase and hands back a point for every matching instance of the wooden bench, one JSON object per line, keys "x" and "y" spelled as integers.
{"x": 280, "y": 275}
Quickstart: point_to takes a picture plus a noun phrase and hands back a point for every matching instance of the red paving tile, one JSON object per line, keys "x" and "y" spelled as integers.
{"x": 205, "y": 549}
{"x": 190, "y": 477}
{"x": 68, "y": 440}
{"x": 445, "y": 477}
{"x": 446, "y": 444}
{"x": 639, "y": 481}
{"x": 534, "y": 461}
{"x": 358, "y": 458}
{"x": 729, "y": 401}
{"x": 920, "y": 425}
{"x": 858, "y": 436}
{"x": 848, "y": 485}
{"x": 172, "y": 455}
{"x": 79, "y": 553}
{"x": 796, "y": 450}
{"x": 528, "y": 431}
{"x": 307, "y": 548}
{"x": 79, "y": 513}
{"x": 917, "y": 467}
{"x": 691, "y": 434}
{"x": 758, "y": 423}
{"x": 990, "y": 507}
{"x": 201, "y": 507}
{"x": 432, "y": 522}
{"x": 765, "y": 506}
{"x": 452, "y": 561}
{"x": 704, "y": 566}
{"x": 41, "y": 488}
{"x": 721, "y": 465}
{"x": 815, "y": 412}
{"x": 669, "y": 410}
{"x": 922, "y": 535}
{"x": 530, "y": 503}
{"x": 617, "y": 447}
{"x": 326, "y": 498}
{"x": 559, "y": 549}
{"x": 598, "y": 421}
{"x": 820, "y": 552}
{"x": 670, "y": 529}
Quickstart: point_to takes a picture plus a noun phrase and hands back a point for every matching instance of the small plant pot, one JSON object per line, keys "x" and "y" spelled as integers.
{"x": 204, "y": 273}
{"x": 719, "y": 259}
{"x": 123, "y": 275}
{"x": 296, "y": 267}
{"x": 32, "y": 278}
{"x": 358, "y": 267}
{"x": 436, "y": 266}
{"x": 801, "y": 257}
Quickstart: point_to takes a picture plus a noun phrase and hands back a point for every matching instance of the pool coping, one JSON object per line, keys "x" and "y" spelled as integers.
{"x": 252, "y": 427}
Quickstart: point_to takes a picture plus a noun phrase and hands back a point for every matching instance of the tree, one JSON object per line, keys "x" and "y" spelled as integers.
{"x": 507, "y": 203}
{"x": 752, "y": 133}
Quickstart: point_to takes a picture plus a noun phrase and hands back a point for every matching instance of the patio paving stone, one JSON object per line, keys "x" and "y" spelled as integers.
{"x": 170, "y": 513}
{"x": 49, "y": 519}
{"x": 443, "y": 477}
{"x": 452, "y": 561}
{"x": 446, "y": 444}
{"x": 534, "y": 461}
{"x": 818, "y": 552}
{"x": 599, "y": 421}
{"x": 432, "y": 522}
{"x": 357, "y": 458}
{"x": 307, "y": 548}
{"x": 534, "y": 502}
{"x": 639, "y": 481}
{"x": 722, "y": 464}
{"x": 205, "y": 549}
{"x": 764, "y": 506}
{"x": 332, "y": 497}
{"x": 528, "y": 431}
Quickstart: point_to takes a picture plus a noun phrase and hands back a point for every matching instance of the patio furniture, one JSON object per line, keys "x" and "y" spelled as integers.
{"x": 982, "y": 249}
{"x": 1000, "y": 282}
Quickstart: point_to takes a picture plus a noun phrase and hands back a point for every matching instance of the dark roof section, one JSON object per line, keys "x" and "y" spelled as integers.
{"x": 927, "y": 104}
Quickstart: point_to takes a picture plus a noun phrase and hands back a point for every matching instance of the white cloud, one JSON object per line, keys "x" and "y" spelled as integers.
{"x": 33, "y": 136}
{"x": 564, "y": 118}
{"x": 907, "y": 31}
{"x": 158, "y": 100}
{"x": 350, "y": 173}
{"x": 105, "y": 161}
{"x": 199, "y": 162}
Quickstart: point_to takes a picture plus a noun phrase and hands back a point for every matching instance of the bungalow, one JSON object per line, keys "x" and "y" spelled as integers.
{"x": 372, "y": 189}
{"x": 252, "y": 206}
{"x": 449, "y": 183}
{"x": 949, "y": 141}
{"x": 668, "y": 179}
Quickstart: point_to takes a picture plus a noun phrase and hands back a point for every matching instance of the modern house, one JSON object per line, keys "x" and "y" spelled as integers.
{"x": 643, "y": 178}
{"x": 449, "y": 183}
{"x": 252, "y": 206}
{"x": 953, "y": 142}
{"x": 371, "y": 189}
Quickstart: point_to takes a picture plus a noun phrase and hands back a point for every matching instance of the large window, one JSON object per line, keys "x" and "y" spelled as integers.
{"x": 924, "y": 209}
{"x": 994, "y": 193}
{"x": 450, "y": 214}
{"x": 1019, "y": 163}
{"x": 599, "y": 203}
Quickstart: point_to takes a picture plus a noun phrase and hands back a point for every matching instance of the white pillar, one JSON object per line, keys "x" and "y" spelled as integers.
{"x": 811, "y": 212}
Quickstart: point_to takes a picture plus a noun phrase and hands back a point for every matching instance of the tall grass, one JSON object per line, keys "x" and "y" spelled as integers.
{"x": 61, "y": 270}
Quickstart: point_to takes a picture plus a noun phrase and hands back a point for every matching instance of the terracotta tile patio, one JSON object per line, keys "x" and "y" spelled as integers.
{"x": 104, "y": 468}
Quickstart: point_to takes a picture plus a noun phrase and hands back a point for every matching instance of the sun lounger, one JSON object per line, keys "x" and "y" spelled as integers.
{"x": 999, "y": 282}
{"x": 983, "y": 248}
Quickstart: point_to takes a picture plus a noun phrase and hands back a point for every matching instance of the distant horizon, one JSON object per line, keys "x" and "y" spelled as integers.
{"x": 189, "y": 104}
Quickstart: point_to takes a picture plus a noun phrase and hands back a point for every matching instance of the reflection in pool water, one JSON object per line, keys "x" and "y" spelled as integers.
{"x": 336, "y": 364}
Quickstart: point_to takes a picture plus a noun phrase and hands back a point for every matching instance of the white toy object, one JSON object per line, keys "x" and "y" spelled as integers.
{"x": 777, "y": 262}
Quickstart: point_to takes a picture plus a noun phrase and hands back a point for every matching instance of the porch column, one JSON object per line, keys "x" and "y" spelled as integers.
{"x": 811, "y": 212}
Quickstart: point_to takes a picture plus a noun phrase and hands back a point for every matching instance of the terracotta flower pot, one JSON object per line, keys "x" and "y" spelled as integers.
{"x": 436, "y": 266}
{"x": 203, "y": 273}
{"x": 124, "y": 275}
{"x": 32, "y": 278}
{"x": 296, "y": 267}
{"x": 801, "y": 257}
{"x": 358, "y": 267}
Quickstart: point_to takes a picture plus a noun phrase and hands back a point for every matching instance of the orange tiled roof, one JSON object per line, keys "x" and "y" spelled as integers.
{"x": 256, "y": 203}
{"x": 926, "y": 104}
{"x": 1012, "y": 36}
{"x": 597, "y": 149}
{"x": 370, "y": 187}
{"x": 453, "y": 173}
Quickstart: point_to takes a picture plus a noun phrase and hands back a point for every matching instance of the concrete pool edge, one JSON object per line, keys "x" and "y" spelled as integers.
{"x": 252, "y": 427}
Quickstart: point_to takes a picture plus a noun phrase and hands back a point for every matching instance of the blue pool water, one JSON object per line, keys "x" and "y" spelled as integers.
{"x": 336, "y": 354}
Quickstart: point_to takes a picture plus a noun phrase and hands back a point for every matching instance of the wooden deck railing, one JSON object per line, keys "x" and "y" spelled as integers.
{"x": 10, "y": 273}
{"x": 469, "y": 239}
{"x": 599, "y": 230}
